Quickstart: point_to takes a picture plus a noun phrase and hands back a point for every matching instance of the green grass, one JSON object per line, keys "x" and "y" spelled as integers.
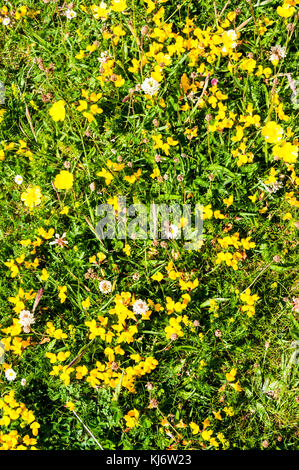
{"x": 39, "y": 67}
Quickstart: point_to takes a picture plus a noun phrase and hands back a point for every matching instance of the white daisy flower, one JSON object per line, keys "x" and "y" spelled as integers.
{"x": 172, "y": 232}
{"x": 10, "y": 375}
{"x": 6, "y": 21}
{"x": 18, "y": 179}
{"x": 140, "y": 307}
{"x": 150, "y": 86}
{"x": 23, "y": 382}
{"x": 105, "y": 287}
{"x": 70, "y": 14}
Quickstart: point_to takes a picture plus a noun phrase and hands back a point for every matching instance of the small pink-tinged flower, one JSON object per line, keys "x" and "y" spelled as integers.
{"x": 214, "y": 81}
{"x": 105, "y": 287}
{"x": 26, "y": 319}
{"x": 60, "y": 240}
{"x": 296, "y": 304}
{"x": 140, "y": 307}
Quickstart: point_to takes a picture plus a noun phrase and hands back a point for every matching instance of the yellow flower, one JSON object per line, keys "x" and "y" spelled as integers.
{"x": 230, "y": 376}
{"x": 101, "y": 256}
{"x": 206, "y": 435}
{"x": 218, "y": 215}
{"x": 119, "y": 81}
{"x": 45, "y": 275}
{"x": 46, "y": 235}
{"x": 62, "y": 295}
{"x": 80, "y": 55}
{"x": 286, "y": 152}
{"x": 229, "y": 411}
{"x": 253, "y": 198}
{"x": 57, "y": 111}
{"x": 32, "y": 197}
{"x": 118, "y": 5}
{"x": 34, "y": 426}
{"x": 157, "y": 277}
{"x": 127, "y": 249}
{"x": 236, "y": 386}
{"x": 70, "y": 405}
{"x": 52, "y": 357}
{"x": 156, "y": 173}
{"x": 65, "y": 210}
{"x": 213, "y": 442}
{"x": 206, "y": 423}
{"x": 217, "y": 415}
{"x": 86, "y": 303}
{"x": 272, "y": 132}
{"x": 194, "y": 427}
{"x": 272, "y": 178}
{"x": 81, "y": 371}
{"x": 228, "y": 202}
{"x": 131, "y": 418}
{"x": 248, "y": 65}
{"x": 62, "y": 356}
{"x": 64, "y": 180}
{"x": 285, "y": 11}
{"x": 107, "y": 175}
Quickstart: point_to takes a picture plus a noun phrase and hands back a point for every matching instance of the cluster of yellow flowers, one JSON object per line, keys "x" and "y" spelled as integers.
{"x": 232, "y": 259}
{"x": 21, "y": 150}
{"x": 102, "y": 11}
{"x": 291, "y": 199}
{"x": 15, "y": 264}
{"x": 207, "y": 435}
{"x": 16, "y": 414}
{"x": 88, "y": 106}
{"x": 174, "y": 329}
{"x": 287, "y": 9}
{"x": 17, "y": 14}
{"x": 131, "y": 418}
{"x": 108, "y": 174}
{"x": 111, "y": 372}
{"x": 172, "y": 306}
{"x": 249, "y": 300}
{"x": 286, "y": 151}
{"x": 12, "y": 341}
{"x": 165, "y": 146}
{"x": 108, "y": 372}
{"x": 55, "y": 333}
